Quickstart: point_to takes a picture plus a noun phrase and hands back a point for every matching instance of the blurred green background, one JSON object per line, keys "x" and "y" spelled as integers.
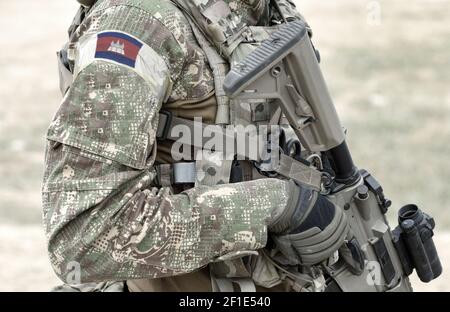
{"x": 388, "y": 68}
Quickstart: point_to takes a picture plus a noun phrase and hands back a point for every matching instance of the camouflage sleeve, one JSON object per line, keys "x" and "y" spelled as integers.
{"x": 100, "y": 210}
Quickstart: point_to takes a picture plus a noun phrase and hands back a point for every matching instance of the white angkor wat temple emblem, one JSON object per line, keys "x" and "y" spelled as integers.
{"x": 117, "y": 47}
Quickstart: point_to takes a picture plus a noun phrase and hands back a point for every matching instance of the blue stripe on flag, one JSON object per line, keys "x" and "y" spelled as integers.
{"x": 115, "y": 57}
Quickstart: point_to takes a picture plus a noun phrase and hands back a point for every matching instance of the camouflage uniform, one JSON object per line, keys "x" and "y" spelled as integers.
{"x": 102, "y": 207}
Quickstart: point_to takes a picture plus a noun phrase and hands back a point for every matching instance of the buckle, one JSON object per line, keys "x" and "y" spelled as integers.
{"x": 165, "y": 120}
{"x": 183, "y": 173}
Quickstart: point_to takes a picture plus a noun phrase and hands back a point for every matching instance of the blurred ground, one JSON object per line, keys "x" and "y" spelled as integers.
{"x": 24, "y": 265}
{"x": 387, "y": 65}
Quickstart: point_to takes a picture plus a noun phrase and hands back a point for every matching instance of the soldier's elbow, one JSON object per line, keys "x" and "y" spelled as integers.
{"x": 68, "y": 260}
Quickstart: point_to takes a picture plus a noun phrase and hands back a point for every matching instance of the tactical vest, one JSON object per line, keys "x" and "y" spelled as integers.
{"x": 226, "y": 40}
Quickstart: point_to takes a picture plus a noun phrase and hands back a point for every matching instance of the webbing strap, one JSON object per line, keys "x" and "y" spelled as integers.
{"x": 299, "y": 172}
{"x": 221, "y": 284}
{"x": 226, "y": 284}
{"x": 176, "y": 173}
{"x": 288, "y": 167}
{"x": 167, "y": 130}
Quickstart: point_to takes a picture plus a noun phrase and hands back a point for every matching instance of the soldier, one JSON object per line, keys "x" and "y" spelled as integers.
{"x": 114, "y": 200}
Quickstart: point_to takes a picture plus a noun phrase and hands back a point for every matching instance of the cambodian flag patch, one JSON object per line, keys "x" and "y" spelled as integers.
{"x": 118, "y": 47}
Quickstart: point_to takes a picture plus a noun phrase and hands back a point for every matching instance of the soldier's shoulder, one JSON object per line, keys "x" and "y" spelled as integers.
{"x": 157, "y": 23}
{"x": 148, "y": 5}
{"x": 164, "y": 11}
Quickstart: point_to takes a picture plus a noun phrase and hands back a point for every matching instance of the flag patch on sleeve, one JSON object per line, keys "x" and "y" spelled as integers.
{"x": 118, "y": 47}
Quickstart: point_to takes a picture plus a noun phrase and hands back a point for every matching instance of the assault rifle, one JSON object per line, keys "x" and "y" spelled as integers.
{"x": 285, "y": 69}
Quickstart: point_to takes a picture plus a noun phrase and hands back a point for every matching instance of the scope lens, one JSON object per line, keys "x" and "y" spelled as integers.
{"x": 408, "y": 212}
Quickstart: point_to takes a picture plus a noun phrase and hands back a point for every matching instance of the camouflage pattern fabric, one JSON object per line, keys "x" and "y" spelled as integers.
{"x": 100, "y": 207}
{"x": 225, "y": 21}
{"x": 92, "y": 287}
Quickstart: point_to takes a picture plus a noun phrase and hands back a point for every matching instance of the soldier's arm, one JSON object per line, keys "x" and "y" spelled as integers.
{"x": 100, "y": 210}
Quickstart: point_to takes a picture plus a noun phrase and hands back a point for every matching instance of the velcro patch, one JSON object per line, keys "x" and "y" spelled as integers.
{"x": 117, "y": 47}
{"x": 125, "y": 50}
